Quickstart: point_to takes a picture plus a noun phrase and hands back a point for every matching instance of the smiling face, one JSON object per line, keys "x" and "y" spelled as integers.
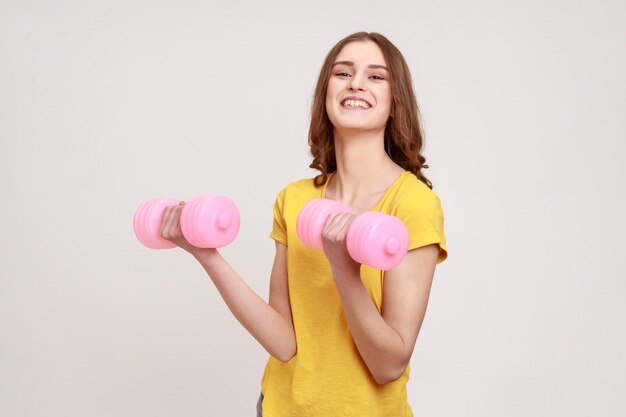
{"x": 359, "y": 94}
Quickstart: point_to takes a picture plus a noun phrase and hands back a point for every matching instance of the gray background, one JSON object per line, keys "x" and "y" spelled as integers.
{"x": 105, "y": 104}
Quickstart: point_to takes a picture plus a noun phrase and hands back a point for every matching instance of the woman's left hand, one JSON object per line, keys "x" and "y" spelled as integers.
{"x": 334, "y": 242}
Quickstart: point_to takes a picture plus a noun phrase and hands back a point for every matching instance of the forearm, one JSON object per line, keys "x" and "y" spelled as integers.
{"x": 263, "y": 322}
{"x": 380, "y": 346}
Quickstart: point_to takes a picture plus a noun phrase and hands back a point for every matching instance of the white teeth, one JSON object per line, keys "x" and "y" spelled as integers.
{"x": 355, "y": 103}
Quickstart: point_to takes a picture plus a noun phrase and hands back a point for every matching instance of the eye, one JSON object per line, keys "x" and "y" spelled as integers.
{"x": 376, "y": 77}
{"x": 343, "y": 74}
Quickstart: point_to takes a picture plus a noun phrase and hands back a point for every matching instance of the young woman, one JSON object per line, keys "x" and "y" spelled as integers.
{"x": 341, "y": 334}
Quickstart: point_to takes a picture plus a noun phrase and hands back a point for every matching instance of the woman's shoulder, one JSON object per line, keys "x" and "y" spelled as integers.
{"x": 302, "y": 184}
{"x": 411, "y": 187}
{"x": 302, "y": 188}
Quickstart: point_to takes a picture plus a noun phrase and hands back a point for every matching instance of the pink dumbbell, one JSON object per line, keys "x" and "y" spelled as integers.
{"x": 375, "y": 239}
{"x": 206, "y": 222}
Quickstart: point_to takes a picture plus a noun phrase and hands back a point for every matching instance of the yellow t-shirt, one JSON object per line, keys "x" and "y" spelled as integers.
{"x": 327, "y": 376}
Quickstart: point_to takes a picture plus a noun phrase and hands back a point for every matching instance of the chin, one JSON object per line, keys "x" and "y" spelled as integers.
{"x": 342, "y": 123}
{"x": 355, "y": 127}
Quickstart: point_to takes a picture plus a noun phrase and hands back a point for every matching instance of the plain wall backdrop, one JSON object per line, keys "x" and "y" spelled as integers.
{"x": 106, "y": 104}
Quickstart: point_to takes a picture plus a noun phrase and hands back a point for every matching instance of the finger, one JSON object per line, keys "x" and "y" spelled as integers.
{"x": 331, "y": 222}
{"x": 168, "y": 215}
{"x": 164, "y": 221}
{"x": 335, "y": 228}
{"x": 343, "y": 224}
{"x": 176, "y": 218}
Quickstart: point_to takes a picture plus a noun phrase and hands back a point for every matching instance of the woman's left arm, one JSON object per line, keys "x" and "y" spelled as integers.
{"x": 384, "y": 339}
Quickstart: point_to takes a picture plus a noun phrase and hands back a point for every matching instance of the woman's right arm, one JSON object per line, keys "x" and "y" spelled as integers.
{"x": 271, "y": 324}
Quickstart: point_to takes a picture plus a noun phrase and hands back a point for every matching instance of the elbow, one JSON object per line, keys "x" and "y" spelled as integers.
{"x": 386, "y": 379}
{"x": 389, "y": 374}
{"x": 284, "y": 358}
{"x": 286, "y": 355}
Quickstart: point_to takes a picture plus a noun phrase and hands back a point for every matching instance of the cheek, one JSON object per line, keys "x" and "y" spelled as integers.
{"x": 328, "y": 105}
{"x": 329, "y": 95}
{"x": 331, "y": 90}
{"x": 385, "y": 93}
{"x": 386, "y": 99}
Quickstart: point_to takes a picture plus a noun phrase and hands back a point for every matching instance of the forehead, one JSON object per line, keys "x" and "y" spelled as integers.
{"x": 362, "y": 52}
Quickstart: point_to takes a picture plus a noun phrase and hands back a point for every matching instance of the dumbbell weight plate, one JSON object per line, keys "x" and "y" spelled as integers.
{"x": 378, "y": 240}
{"x": 210, "y": 221}
{"x": 147, "y": 223}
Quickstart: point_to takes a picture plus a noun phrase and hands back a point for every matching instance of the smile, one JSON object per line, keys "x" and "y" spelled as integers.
{"x": 355, "y": 104}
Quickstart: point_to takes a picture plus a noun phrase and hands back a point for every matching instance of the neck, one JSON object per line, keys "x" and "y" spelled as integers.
{"x": 363, "y": 167}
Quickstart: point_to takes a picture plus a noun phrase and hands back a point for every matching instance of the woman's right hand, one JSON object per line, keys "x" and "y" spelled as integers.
{"x": 171, "y": 230}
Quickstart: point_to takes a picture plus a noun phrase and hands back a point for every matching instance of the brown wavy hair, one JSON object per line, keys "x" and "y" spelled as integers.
{"x": 403, "y": 134}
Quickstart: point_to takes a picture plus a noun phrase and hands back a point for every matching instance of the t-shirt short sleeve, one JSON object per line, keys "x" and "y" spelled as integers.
{"x": 422, "y": 214}
{"x": 279, "y": 228}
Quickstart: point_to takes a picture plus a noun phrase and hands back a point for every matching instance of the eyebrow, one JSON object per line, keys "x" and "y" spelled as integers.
{"x": 351, "y": 64}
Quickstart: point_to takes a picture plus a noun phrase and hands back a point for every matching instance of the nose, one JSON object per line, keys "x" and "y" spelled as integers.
{"x": 355, "y": 83}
